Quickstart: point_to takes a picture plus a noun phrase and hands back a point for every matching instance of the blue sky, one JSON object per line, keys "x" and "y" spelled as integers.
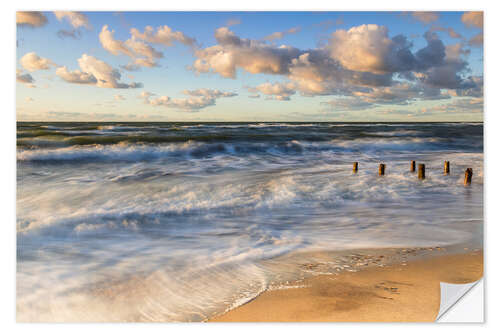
{"x": 224, "y": 66}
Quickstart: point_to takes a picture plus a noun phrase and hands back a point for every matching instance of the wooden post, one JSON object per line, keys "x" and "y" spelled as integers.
{"x": 468, "y": 177}
{"x": 381, "y": 169}
{"x": 355, "y": 167}
{"x": 421, "y": 171}
{"x": 446, "y": 167}
{"x": 412, "y": 166}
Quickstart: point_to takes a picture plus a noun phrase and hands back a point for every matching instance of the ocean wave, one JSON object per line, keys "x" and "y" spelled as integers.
{"x": 180, "y": 231}
{"x": 118, "y": 150}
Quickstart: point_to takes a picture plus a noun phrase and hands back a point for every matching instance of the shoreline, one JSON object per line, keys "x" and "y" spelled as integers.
{"x": 405, "y": 289}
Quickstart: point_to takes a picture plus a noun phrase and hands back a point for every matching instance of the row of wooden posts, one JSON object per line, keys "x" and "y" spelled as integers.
{"x": 421, "y": 170}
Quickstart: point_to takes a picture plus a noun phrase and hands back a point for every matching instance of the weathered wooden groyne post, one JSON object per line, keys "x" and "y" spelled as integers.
{"x": 446, "y": 167}
{"x": 412, "y": 166}
{"x": 421, "y": 171}
{"x": 355, "y": 167}
{"x": 381, "y": 169}
{"x": 468, "y": 177}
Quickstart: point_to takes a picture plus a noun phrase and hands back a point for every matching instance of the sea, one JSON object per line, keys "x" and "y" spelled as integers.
{"x": 181, "y": 222}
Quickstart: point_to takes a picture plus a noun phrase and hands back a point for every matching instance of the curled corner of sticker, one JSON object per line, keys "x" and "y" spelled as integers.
{"x": 451, "y": 294}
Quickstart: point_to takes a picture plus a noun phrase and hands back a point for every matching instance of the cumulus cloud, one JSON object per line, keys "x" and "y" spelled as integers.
{"x": 113, "y": 46}
{"x": 141, "y": 53}
{"x": 198, "y": 99}
{"x": 163, "y": 35}
{"x": 188, "y": 104}
{"x": 449, "y": 73}
{"x": 76, "y": 19}
{"x": 76, "y": 76}
{"x": 364, "y": 63}
{"x": 281, "y": 34}
{"x": 233, "y": 52}
{"x": 95, "y": 72}
{"x": 119, "y": 98}
{"x": 426, "y": 17}
{"x": 316, "y": 73}
{"x": 143, "y": 49}
{"x": 364, "y": 48}
{"x": 31, "y": 19}
{"x": 431, "y": 55}
{"x": 211, "y": 93}
{"x": 32, "y": 62}
{"x": 277, "y": 91}
{"x": 368, "y": 48}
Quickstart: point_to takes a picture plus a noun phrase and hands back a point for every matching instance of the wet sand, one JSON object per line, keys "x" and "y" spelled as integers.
{"x": 405, "y": 291}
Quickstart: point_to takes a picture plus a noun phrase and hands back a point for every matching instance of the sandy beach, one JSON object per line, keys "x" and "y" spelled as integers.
{"x": 402, "y": 292}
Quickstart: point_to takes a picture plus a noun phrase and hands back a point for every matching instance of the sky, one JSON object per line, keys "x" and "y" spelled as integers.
{"x": 249, "y": 66}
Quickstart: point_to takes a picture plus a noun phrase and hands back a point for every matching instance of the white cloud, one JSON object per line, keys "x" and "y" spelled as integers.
{"x": 363, "y": 60}
{"x": 365, "y": 48}
{"x": 163, "y": 35}
{"x": 76, "y": 19}
{"x": 119, "y": 98}
{"x": 198, "y": 99}
{"x": 113, "y": 46}
{"x": 252, "y": 56}
{"x": 132, "y": 47}
{"x": 31, "y": 19}
{"x": 32, "y": 62}
{"x": 141, "y": 62}
{"x": 193, "y": 103}
{"x": 314, "y": 71}
{"x": 277, "y": 91}
{"x": 211, "y": 93}
{"x": 95, "y": 72}
{"x": 356, "y": 60}
{"x": 75, "y": 76}
{"x": 143, "y": 49}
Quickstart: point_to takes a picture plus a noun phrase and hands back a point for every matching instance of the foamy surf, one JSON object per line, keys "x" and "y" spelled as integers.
{"x": 178, "y": 222}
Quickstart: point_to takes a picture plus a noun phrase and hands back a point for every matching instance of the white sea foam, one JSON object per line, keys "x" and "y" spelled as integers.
{"x": 184, "y": 231}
